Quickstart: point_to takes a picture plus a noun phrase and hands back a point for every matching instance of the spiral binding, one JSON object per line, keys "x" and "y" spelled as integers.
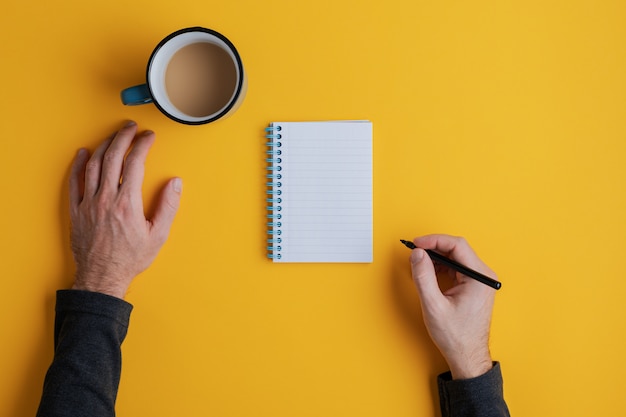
{"x": 274, "y": 192}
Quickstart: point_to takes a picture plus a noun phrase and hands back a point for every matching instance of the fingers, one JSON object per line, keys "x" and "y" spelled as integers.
{"x": 108, "y": 163}
{"x": 93, "y": 169}
{"x": 425, "y": 279}
{"x": 454, "y": 247}
{"x": 77, "y": 178}
{"x": 134, "y": 164}
{"x": 113, "y": 159}
{"x": 166, "y": 209}
{"x": 444, "y": 244}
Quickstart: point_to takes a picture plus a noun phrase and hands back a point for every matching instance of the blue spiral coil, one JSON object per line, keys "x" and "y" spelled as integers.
{"x": 273, "y": 183}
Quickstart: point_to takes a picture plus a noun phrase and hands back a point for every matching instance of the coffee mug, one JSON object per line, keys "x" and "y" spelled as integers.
{"x": 194, "y": 76}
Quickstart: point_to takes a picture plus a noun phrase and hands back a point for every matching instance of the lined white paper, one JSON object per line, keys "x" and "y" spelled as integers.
{"x": 325, "y": 192}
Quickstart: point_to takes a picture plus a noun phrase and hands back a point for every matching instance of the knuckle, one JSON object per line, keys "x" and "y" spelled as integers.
{"x": 92, "y": 166}
{"x": 132, "y": 157}
{"x": 459, "y": 242}
{"x": 111, "y": 156}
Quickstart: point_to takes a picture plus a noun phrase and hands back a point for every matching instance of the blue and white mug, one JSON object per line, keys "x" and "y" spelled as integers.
{"x": 194, "y": 76}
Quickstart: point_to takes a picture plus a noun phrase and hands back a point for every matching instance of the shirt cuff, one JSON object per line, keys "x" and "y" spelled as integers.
{"x": 94, "y": 303}
{"x": 475, "y": 394}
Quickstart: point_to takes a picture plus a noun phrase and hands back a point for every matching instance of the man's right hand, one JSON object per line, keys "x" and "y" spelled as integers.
{"x": 458, "y": 319}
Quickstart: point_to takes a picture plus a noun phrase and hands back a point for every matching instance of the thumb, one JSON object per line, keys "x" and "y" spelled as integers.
{"x": 167, "y": 206}
{"x": 425, "y": 278}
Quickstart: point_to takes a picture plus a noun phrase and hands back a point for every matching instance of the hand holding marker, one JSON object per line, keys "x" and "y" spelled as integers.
{"x": 457, "y": 266}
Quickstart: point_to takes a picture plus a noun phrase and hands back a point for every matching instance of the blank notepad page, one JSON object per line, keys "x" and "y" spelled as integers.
{"x": 320, "y": 191}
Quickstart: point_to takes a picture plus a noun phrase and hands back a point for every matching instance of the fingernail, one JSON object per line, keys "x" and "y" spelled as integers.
{"x": 178, "y": 185}
{"x": 147, "y": 133}
{"x": 82, "y": 152}
{"x": 130, "y": 123}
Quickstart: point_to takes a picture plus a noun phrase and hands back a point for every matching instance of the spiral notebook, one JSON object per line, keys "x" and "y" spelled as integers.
{"x": 319, "y": 191}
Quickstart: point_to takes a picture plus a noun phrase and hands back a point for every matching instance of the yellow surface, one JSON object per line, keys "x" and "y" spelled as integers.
{"x": 502, "y": 121}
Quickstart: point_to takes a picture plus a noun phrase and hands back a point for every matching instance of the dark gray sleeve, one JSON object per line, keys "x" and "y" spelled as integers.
{"x": 84, "y": 376}
{"x": 481, "y": 396}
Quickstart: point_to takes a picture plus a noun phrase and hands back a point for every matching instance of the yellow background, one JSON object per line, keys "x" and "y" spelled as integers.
{"x": 502, "y": 121}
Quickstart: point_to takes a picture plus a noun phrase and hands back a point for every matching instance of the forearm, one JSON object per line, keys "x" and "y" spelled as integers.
{"x": 85, "y": 373}
{"x": 481, "y": 396}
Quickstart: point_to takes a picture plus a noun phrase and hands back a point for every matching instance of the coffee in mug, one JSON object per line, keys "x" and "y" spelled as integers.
{"x": 194, "y": 76}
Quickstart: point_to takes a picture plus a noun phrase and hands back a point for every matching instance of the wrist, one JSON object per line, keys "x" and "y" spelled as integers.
{"x": 99, "y": 287}
{"x": 470, "y": 366}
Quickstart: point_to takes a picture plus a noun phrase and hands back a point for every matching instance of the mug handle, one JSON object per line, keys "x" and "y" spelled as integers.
{"x": 136, "y": 95}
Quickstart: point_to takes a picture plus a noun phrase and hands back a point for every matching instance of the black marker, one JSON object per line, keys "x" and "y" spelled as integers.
{"x": 457, "y": 266}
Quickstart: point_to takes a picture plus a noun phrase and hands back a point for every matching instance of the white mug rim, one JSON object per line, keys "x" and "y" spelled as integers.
{"x": 158, "y": 94}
